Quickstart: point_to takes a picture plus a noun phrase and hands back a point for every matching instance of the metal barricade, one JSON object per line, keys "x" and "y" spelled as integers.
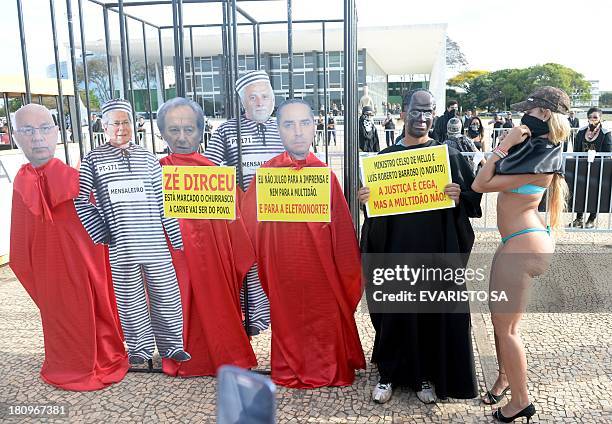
{"x": 589, "y": 179}
{"x": 493, "y": 134}
{"x": 595, "y": 169}
{"x": 98, "y": 139}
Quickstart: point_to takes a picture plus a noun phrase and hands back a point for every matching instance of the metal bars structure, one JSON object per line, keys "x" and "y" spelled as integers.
{"x": 177, "y": 5}
{"x": 230, "y": 67}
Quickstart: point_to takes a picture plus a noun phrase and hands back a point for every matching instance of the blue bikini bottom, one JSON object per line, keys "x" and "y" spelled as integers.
{"x": 525, "y": 231}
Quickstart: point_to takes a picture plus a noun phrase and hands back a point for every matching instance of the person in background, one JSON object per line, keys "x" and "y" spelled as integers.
{"x": 498, "y": 124}
{"x": 593, "y": 137}
{"x": 331, "y": 128}
{"x": 460, "y": 142}
{"x": 334, "y": 109}
{"x": 97, "y": 125}
{"x": 574, "y": 125}
{"x": 208, "y": 129}
{"x": 368, "y": 135}
{"x": 4, "y": 135}
{"x": 141, "y": 129}
{"x": 466, "y": 118}
{"x": 389, "y": 125}
{"x": 475, "y": 131}
{"x": 320, "y": 127}
{"x": 439, "y": 129}
{"x": 573, "y": 121}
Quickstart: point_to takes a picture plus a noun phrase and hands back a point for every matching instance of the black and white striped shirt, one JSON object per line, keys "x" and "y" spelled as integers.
{"x": 260, "y": 143}
{"x": 129, "y": 214}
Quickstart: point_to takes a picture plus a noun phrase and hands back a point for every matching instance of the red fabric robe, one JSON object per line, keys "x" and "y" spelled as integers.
{"x": 217, "y": 254}
{"x": 311, "y": 273}
{"x": 68, "y": 278}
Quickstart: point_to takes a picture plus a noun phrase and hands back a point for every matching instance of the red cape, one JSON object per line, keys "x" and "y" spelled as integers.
{"x": 217, "y": 254}
{"x": 311, "y": 273}
{"x": 68, "y": 278}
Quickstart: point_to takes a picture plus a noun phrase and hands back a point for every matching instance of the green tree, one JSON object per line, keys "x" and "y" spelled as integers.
{"x": 94, "y": 100}
{"x": 498, "y": 90}
{"x": 14, "y": 103}
{"x": 605, "y": 100}
{"x": 459, "y": 88}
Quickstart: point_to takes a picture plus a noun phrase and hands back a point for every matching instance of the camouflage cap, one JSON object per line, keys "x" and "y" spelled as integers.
{"x": 546, "y": 97}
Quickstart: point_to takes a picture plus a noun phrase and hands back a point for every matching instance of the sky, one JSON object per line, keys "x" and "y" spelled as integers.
{"x": 492, "y": 34}
{"x": 514, "y": 34}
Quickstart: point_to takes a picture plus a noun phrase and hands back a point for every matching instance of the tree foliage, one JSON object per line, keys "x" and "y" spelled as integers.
{"x": 13, "y": 104}
{"x": 94, "y": 100}
{"x": 464, "y": 79}
{"x": 605, "y": 100}
{"x": 97, "y": 73}
{"x": 498, "y": 90}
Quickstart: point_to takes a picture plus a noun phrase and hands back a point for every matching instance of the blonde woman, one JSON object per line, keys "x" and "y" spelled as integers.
{"x": 525, "y": 164}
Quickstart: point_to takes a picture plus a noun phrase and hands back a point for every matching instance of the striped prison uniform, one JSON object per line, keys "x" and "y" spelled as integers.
{"x": 260, "y": 143}
{"x": 128, "y": 216}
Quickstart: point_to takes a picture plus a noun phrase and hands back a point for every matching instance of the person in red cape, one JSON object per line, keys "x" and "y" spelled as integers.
{"x": 311, "y": 273}
{"x": 67, "y": 277}
{"x": 217, "y": 254}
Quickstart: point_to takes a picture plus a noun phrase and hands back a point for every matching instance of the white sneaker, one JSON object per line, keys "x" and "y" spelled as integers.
{"x": 426, "y": 394}
{"x": 382, "y": 393}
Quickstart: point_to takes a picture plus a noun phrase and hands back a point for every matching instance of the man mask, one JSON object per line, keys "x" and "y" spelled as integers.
{"x": 420, "y": 114}
{"x": 36, "y": 133}
{"x": 180, "y": 125}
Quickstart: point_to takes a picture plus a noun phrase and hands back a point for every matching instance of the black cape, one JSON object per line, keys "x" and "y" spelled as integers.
{"x": 408, "y": 347}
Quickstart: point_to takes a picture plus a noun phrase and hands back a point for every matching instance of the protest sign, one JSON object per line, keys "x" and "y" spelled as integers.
{"x": 407, "y": 181}
{"x": 290, "y": 195}
{"x": 199, "y": 192}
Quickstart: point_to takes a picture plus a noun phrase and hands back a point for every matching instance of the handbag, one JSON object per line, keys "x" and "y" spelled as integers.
{"x": 532, "y": 156}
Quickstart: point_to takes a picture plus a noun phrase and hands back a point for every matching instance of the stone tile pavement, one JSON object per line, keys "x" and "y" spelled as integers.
{"x": 569, "y": 355}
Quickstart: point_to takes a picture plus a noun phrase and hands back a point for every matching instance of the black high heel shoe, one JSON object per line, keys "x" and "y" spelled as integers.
{"x": 528, "y": 412}
{"x": 492, "y": 399}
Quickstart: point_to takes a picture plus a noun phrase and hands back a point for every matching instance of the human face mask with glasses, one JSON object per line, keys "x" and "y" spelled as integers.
{"x": 118, "y": 128}
{"x": 419, "y": 114}
{"x": 37, "y": 136}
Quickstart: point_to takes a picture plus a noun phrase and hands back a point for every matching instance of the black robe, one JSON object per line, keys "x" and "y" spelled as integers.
{"x": 410, "y": 348}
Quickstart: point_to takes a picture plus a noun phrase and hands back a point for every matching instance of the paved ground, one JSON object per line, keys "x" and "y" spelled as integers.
{"x": 569, "y": 354}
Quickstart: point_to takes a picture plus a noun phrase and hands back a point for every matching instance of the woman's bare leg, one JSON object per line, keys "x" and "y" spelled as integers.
{"x": 517, "y": 263}
{"x": 501, "y": 382}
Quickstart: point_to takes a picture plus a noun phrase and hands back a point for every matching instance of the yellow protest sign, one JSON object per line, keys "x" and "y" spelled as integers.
{"x": 290, "y": 195}
{"x": 407, "y": 181}
{"x": 199, "y": 192}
